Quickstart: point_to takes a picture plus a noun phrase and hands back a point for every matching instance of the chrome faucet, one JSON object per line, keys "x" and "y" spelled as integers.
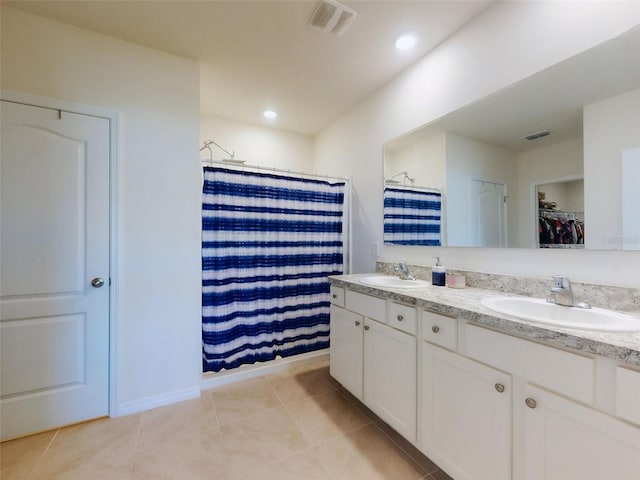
{"x": 562, "y": 293}
{"x": 403, "y": 271}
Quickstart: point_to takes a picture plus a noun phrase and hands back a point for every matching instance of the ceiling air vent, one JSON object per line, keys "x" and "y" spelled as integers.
{"x": 332, "y": 17}
{"x": 537, "y": 135}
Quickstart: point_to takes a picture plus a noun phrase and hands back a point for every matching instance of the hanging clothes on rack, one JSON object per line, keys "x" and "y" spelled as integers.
{"x": 560, "y": 229}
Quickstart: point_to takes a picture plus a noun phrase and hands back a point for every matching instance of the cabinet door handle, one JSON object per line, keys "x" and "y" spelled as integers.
{"x": 366, "y": 327}
{"x": 499, "y": 387}
{"x": 400, "y": 318}
{"x": 435, "y": 329}
{"x": 531, "y": 403}
{"x": 334, "y": 295}
{"x": 357, "y": 323}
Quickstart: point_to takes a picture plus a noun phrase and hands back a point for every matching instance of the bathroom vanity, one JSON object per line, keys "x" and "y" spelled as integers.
{"x": 484, "y": 395}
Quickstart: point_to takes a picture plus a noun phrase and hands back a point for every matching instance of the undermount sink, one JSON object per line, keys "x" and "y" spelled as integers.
{"x": 540, "y": 311}
{"x": 392, "y": 282}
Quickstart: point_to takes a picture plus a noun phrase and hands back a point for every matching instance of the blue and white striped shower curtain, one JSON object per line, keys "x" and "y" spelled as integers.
{"x": 269, "y": 242}
{"x": 412, "y": 216}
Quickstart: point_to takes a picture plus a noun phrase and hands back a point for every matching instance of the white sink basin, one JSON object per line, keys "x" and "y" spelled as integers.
{"x": 540, "y": 311}
{"x": 392, "y": 282}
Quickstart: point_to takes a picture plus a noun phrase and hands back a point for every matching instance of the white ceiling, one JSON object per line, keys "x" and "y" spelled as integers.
{"x": 258, "y": 55}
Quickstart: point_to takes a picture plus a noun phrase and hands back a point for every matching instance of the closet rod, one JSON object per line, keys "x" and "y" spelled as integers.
{"x": 273, "y": 169}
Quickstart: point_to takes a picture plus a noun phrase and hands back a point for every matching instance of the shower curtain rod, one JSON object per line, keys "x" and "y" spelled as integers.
{"x": 412, "y": 187}
{"x": 273, "y": 169}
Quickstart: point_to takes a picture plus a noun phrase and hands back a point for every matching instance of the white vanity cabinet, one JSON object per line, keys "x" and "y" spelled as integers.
{"x": 390, "y": 376}
{"x": 484, "y": 404}
{"x": 465, "y": 411}
{"x": 564, "y": 440}
{"x": 373, "y": 356}
{"x": 563, "y": 434}
{"x": 345, "y": 363}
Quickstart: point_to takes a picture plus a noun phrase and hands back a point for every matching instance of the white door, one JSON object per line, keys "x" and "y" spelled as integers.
{"x": 564, "y": 440}
{"x": 345, "y": 359}
{"x": 54, "y": 234}
{"x": 390, "y": 376}
{"x": 488, "y": 216}
{"x": 466, "y": 416}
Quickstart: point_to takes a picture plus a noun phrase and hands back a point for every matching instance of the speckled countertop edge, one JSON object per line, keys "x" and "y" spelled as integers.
{"x": 465, "y": 303}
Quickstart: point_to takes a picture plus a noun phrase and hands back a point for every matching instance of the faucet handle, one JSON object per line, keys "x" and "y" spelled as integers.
{"x": 560, "y": 281}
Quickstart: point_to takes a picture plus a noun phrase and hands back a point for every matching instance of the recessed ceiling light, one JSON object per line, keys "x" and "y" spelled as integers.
{"x": 405, "y": 41}
{"x": 270, "y": 114}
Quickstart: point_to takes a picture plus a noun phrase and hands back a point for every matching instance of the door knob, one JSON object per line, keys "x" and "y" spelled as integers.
{"x": 97, "y": 282}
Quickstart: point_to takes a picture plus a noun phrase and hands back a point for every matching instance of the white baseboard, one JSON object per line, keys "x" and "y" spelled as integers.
{"x": 135, "y": 406}
{"x": 212, "y": 380}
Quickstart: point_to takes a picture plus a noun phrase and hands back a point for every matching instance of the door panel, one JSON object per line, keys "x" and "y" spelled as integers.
{"x": 488, "y": 216}
{"x": 390, "y": 376}
{"x": 346, "y": 349}
{"x": 54, "y": 233}
{"x": 565, "y": 440}
{"x": 47, "y": 352}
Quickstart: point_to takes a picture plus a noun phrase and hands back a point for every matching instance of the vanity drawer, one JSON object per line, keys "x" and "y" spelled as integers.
{"x": 440, "y": 329}
{"x": 403, "y": 317}
{"x": 337, "y": 296}
{"x": 366, "y": 305}
{"x": 564, "y": 372}
{"x": 628, "y": 394}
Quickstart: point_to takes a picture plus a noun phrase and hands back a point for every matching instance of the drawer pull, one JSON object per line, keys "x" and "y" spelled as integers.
{"x": 499, "y": 387}
{"x": 357, "y": 323}
{"x": 400, "y": 318}
{"x": 531, "y": 403}
{"x": 435, "y": 329}
{"x": 366, "y": 327}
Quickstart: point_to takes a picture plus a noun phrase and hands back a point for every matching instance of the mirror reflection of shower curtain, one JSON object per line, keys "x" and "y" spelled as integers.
{"x": 269, "y": 242}
{"x": 412, "y": 216}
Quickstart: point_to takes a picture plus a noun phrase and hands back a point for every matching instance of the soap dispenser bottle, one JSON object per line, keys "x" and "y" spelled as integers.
{"x": 438, "y": 274}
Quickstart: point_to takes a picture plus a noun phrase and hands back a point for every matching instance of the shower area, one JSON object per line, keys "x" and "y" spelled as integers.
{"x": 270, "y": 239}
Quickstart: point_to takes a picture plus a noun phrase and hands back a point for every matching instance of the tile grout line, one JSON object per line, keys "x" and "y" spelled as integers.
{"x": 136, "y": 449}
{"x": 273, "y": 389}
{"x": 347, "y": 397}
{"x": 215, "y": 410}
{"x": 405, "y": 452}
{"x": 324, "y": 467}
{"x": 37, "y": 463}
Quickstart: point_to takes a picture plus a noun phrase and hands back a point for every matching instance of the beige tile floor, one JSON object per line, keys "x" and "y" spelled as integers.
{"x": 286, "y": 426}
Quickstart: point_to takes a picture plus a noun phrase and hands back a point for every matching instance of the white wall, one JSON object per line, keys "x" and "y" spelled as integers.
{"x": 560, "y": 160}
{"x": 158, "y": 278}
{"x": 610, "y": 127}
{"x": 267, "y": 147}
{"x": 506, "y": 43}
{"x": 424, "y": 159}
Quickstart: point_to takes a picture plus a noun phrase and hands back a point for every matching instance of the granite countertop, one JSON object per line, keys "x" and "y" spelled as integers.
{"x": 465, "y": 303}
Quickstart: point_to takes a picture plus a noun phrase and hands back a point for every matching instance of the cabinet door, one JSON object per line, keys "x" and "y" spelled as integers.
{"x": 345, "y": 357}
{"x": 564, "y": 440}
{"x": 390, "y": 376}
{"x": 465, "y": 416}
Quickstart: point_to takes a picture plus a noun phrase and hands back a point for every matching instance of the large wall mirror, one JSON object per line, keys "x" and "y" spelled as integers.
{"x": 550, "y": 162}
